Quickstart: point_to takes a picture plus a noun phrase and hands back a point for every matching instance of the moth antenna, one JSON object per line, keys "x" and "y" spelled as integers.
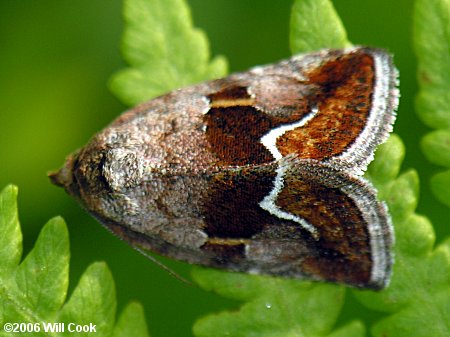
{"x": 163, "y": 266}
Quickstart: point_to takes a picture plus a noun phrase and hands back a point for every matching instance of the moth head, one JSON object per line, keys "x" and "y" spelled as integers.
{"x": 82, "y": 174}
{"x": 64, "y": 176}
{"x": 100, "y": 168}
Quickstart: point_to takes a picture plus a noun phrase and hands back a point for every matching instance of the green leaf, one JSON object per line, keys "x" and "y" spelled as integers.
{"x": 440, "y": 185}
{"x": 432, "y": 44}
{"x": 164, "y": 50}
{"x": 401, "y": 195}
{"x": 274, "y": 307}
{"x": 316, "y": 25}
{"x": 131, "y": 322}
{"x": 432, "y": 107}
{"x": 355, "y": 328}
{"x": 43, "y": 277}
{"x": 10, "y": 234}
{"x": 93, "y": 301}
{"x": 436, "y": 147}
{"x": 35, "y": 290}
{"x": 425, "y": 284}
{"x": 389, "y": 157}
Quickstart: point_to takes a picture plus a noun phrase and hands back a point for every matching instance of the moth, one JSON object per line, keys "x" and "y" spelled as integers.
{"x": 258, "y": 172}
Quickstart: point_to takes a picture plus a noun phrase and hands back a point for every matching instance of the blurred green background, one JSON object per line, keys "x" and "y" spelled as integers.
{"x": 56, "y": 58}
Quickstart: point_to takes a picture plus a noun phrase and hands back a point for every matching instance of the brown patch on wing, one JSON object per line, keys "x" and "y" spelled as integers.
{"x": 343, "y": 248}
{"x": 343, "y": 101}
{"x": 231, "y": 208}
{"x": 236, "y": 122}
{"x": 234, "y": 135}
